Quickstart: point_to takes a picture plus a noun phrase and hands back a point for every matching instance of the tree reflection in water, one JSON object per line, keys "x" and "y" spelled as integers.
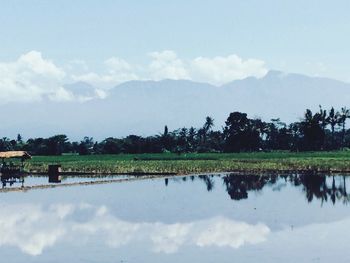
{"x": 320, "y": 187}
{"x": 208, "y": 179}
{"x": 315, "y": 186}
{"x": 237, "y": 186}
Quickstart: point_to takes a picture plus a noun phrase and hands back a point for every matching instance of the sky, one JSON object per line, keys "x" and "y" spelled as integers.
{"x": 46, "y": 44}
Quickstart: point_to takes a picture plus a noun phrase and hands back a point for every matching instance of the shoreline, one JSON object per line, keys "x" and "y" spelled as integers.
{"x": 153, "y": 176}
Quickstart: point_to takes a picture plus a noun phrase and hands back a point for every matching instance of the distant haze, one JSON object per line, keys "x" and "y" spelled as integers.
{"x": 144, "y": 107}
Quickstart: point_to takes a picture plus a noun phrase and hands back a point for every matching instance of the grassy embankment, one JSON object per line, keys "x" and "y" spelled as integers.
{"x": 197, "y": 163}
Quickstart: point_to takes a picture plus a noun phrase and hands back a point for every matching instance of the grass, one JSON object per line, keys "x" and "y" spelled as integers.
{"x": 337, "y": 161}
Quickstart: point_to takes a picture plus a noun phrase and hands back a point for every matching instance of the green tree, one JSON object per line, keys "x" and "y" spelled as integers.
{"x": 313, "y": 135}
{"x": 344, "y": 115}
{"x": 86, "y": 146}
{"x": 334, "y": 119}
{"x": 209, "y": 123}
{"x": 241, "y": 133}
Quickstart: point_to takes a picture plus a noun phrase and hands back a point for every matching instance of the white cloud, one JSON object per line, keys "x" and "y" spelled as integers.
{"x": 101, "y": 93}
{"x": 166, "y": 65}
{"x": 91, "y": 78}
{"x": 61, "y": 95}
{"x": 28, "y": 78}
{"x": 29, "y": 228}
{"x": 34, "y": 62}
{"x": 220, "y": 70}
{"x": 107, "y": 80}
{"x": 33, "y": 228}
{"x": 225, "y": 232}
{"x": 117, "y": 71}
{"x": 168, "y": 238}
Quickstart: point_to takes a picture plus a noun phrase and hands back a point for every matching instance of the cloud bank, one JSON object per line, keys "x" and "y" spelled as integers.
{"x": 32, "y": 77}
{"x": 29, "y": 78}
{"x": 167, "y": 65}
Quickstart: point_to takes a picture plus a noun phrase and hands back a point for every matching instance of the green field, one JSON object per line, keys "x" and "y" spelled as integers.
{"x": 197, "y": 163}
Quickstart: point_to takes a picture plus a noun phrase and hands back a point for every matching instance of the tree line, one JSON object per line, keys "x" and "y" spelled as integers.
{"x": 318, "y": 131}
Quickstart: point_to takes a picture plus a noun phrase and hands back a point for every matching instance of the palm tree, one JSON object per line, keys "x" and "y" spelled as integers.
{"x": 5, "y": 144}
{"x": 312, "y": 131}
{"x": 344, "y": 114}
{"x": 308, "y": 116}
{"x": 333, "y": 120}
{"x": 191, "y": 138}
{"x": 209, "y": 123}
{"x": 323, "y": 118}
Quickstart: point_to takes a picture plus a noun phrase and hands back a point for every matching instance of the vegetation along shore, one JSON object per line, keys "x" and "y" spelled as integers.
{"x": 256, "y": 162}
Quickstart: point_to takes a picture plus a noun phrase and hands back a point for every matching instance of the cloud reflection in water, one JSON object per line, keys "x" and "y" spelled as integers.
{"x": 33, "y": 228}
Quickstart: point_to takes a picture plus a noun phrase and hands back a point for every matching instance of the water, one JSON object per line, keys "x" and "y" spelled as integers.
{"x": 226, "y": 218}
{"x": 32, "y": 180}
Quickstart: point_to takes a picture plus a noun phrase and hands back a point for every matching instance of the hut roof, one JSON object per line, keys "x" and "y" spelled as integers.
{"x": 15, "y": 154}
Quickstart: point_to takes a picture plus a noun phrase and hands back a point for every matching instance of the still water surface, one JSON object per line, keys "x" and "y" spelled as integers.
{"x": 219, "y": 218}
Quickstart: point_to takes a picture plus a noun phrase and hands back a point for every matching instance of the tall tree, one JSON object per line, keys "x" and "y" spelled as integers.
{"x": 323, "y": 118}
{"x": 333, "y": 120}
{"x": 312, "y": 133}
{"x": 241, "y": 133}
{"x": 191, "y": 138}
{"x": 166, "y": 139}
{"x": 86, "y": 146}
{"x": 344, "y": 115}
{"x": 209, "y": 123}
{"x": 19, "y": 138}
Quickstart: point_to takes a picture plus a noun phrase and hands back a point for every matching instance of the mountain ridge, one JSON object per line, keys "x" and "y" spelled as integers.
{"x": 144, "y": 107}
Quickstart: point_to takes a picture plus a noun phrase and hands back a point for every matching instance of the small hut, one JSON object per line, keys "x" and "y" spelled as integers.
{"x": 12, "y": 171}
{"x": 11, "y": 168}
{"x": 15, "y": 154}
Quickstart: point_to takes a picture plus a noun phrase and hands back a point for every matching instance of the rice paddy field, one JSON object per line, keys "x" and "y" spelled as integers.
{"x": 328, "y": 162}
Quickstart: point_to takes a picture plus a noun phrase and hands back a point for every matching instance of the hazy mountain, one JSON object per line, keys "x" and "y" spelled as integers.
{"x": 144, "y": 107}
{"x": 287, "y": 95}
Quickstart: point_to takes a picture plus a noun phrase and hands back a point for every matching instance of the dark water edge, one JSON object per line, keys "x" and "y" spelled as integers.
{"x": 245, "y": 181}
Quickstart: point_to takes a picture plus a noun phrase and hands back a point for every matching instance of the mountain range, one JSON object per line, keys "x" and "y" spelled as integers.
{"x": 144, "y": 107}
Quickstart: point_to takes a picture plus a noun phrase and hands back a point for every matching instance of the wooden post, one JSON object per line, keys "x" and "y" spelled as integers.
{"x": 54, "y": 173}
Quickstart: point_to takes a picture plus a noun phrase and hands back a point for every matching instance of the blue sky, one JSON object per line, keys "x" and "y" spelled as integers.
{"x": 310, "y": 37}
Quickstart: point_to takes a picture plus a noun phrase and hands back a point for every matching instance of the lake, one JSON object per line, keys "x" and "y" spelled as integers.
{"x": 206, "y": 218}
